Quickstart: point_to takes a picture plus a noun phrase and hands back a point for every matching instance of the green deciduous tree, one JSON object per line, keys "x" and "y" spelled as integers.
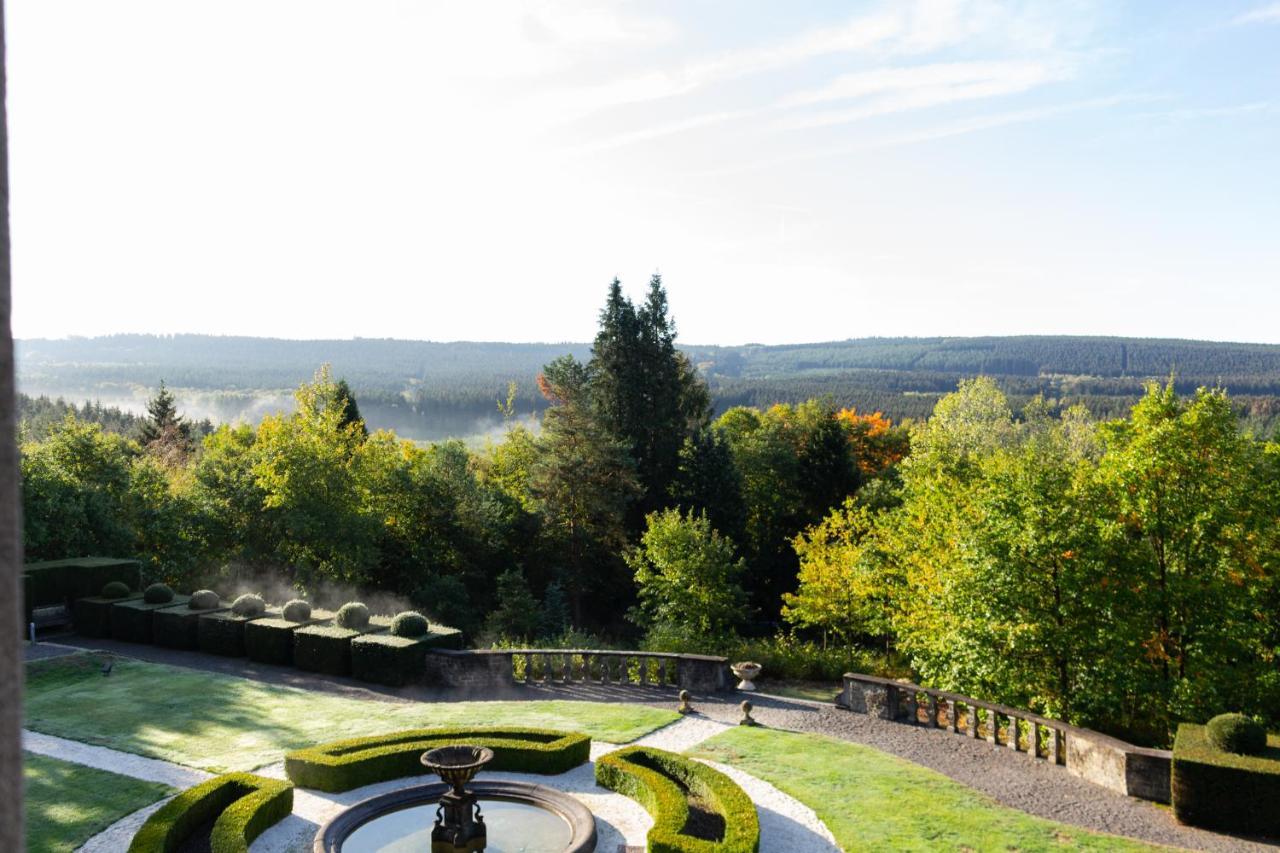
{"x": 688, "y": 579}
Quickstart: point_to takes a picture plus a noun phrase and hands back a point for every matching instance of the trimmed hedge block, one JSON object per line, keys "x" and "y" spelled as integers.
{"x": 63, "y": 581}
{"x": 327, "y": 648}
{"x": 663, "y": 783}
{"x": 223, "y": 633}
{"x": 241, "y": 807}
{"x": 396, "y": 661}
{"x": 346, "y": 764}
{"x": 270, "y": 639}
{"x": 1225, "y": 791}
{"x": 131, "y": 620}
{"x": 177, "y": 627}
{"x": 92, "y": 616}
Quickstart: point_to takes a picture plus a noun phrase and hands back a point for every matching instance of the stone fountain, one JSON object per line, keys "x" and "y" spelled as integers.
{"x": 459, "y": 824}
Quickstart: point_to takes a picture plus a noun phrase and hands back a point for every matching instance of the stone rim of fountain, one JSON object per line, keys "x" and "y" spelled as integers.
{"x": 582, "y": 823}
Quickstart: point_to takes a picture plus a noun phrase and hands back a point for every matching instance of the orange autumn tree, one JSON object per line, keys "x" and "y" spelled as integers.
{"x": 877, "y": 443}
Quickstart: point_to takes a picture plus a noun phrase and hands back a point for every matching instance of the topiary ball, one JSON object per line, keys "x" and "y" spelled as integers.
{"x": 353, "y": 616}
{"x": 157, "y": 593}
{"x": 204, "y": 599}
{"x": 115, "y": 589}
{"x": 249, "y": 605}
{"x": 409, "y": 624}
{"x": 297, "y": 610}
{"x": 1236, "y": 733}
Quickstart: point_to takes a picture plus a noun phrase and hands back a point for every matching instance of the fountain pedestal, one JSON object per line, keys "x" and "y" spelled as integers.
{"x": 459, "y": 825}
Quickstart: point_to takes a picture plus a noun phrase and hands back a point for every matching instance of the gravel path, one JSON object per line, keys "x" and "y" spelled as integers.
{"x": 1014, "y": 780}
{"x": 1035, "y": 787}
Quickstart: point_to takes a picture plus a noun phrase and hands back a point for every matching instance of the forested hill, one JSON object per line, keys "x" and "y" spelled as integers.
{"x": 429, "y": 390}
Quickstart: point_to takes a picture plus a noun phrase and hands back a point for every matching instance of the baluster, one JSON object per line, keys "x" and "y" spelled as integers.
{"x": 973, "y": 721}
{"x": 644, "y": 671}
{"x": 1012, "y": 740}
{"x": 913, "y": 708}
{"x": 932, "y": 712}
{"x": 953, "y": 716}
{"x": 1033, "y": 746}
{"x": 993, "y": 727}
{"x": 604, "y": 668}
{"x": 662, "y": 671}
{"x": 1056, "y": 744}
{"x": 568, "y": 667}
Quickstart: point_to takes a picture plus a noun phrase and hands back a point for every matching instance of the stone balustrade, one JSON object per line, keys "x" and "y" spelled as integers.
{"x": 1122, "y": 767}
{"x": 505, "y": 667}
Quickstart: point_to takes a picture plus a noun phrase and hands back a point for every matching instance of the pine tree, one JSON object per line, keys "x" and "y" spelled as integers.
{"x": 350, "y": 411}
{"x": 162, "y": 414}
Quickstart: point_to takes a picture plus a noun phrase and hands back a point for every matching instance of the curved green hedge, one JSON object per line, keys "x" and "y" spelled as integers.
{"x": 241, "y": 805}
{"x": 345, "y": 764}
{"x": 663, "y": 781}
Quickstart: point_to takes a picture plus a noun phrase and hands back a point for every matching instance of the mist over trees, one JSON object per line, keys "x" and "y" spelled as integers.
{"x": 1118, "y": 571}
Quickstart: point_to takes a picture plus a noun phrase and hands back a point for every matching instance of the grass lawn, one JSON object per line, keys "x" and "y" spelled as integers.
{"x": 874, "y": 801}
{"x": 67, "y": 804}
{"x": 221, "y": 723}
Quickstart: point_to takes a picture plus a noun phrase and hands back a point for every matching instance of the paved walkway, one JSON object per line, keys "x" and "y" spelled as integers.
{"x": 621, "y": 823}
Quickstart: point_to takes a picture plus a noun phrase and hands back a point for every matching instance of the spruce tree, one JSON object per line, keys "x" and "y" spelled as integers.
{"x": 163, "y": 429}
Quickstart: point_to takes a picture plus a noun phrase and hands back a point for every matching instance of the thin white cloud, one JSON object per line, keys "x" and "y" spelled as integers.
{"x": 1269, "y": 14}
{"x": 1211, "y": 112}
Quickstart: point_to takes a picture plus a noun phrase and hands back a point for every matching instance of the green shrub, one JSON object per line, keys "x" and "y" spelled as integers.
{"x": 353, "y": 616}
{"x": 115, "y": 589}
{"x": 177, "y": 626}
{"x": 131, "y": 619}
{"x": 347, "y": 764}
{"x": 396, "y": 661}
{"x": 158, "y": 593}
{"x": 410, "y": 624}
{"x": 1225, "y": 791}
{"x": 297, "y": 610}
{"x": 663, "y": 782}
{"x": 1236, "y": 733}
{"x": 223, "y": 633}
{"x": 249, "y": 605}
{"x": 271, "y": 640}
{"x": 241, "y": 807}
{"x": 204, "y": 599}
{"x": 327, "y": 648}
{"x": 91, "y": 617}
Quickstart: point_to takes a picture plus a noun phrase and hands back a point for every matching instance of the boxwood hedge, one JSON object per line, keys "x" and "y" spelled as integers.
{"x": 1224, "y": 790}
{"x": 63, "y": 581}
{"x": 131, "y": 620}
{"x": 327, "y": 648}
{"x": 346, "y": 764}
{"x": 270, "y": 639}
{"x": 241, "y": 807}
{"x": 663, "y": 782}
{"x": 177, "y": 627}
{"x": 92, "y": 616}
{"x": 223, "y": 633}
{"x": 395, "y": 661}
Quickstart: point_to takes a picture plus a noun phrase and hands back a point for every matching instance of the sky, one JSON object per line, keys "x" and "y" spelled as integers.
{"x": 797, "y": 171}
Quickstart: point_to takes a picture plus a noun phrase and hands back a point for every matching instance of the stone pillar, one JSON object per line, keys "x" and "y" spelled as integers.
{"x": 11, "y": 816}
{"x": 702, "y": 673}
{"x": 873, "y": 698}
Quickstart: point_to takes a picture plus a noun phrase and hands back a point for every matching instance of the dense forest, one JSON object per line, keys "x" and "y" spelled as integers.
{"x": 1116, "y": 565}
{"x": 429, "y": 391}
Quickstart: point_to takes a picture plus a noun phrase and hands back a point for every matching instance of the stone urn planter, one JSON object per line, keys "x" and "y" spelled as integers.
{"x": 746, "y": 671}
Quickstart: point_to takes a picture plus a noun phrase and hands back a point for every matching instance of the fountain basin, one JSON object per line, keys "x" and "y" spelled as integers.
{"x": 520, "y": 817}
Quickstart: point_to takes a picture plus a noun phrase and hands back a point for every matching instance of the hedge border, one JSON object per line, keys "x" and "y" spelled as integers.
{"x": 1222, "y": 790}
{"x": 659, "y": 792}
{"x": 270, "y": 638}
{"x": 396, "y": 661}
{"x": 63, "y": 581}
{"x": 241, "y": 805}
{"x": 342, "y": 765}
{"x": 131, "y": 619}
{"x": 91, "y": 617}
{"x": 177, "y": 627}
{"x": 223, "y": 633}
{"x": 326, "y": 649}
